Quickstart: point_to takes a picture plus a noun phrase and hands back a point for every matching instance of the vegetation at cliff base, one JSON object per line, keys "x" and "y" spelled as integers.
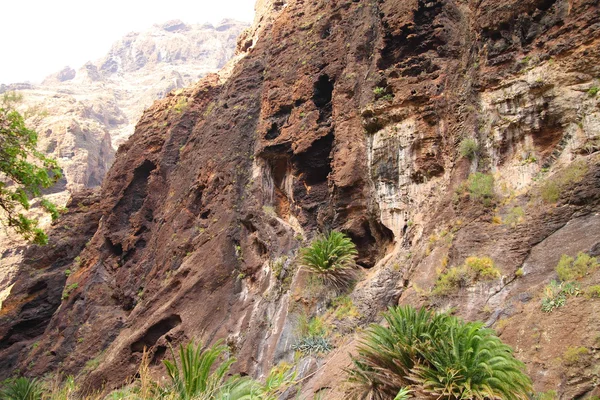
{"x": 195, "y": 373}
{"x": 435, "y": 356}
{"x": 332, "y": 257}
{"x": 24, "y": 172}
{"x": 22, "y": 389}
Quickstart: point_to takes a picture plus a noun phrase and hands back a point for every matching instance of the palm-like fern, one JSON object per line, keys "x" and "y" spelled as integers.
{"x": 201, "y": 375}
{"x": 437, "y": 357}
{"x": 333, "y": 257}
{"x": 22, "y": 389}
{"x": 195, "y": 377}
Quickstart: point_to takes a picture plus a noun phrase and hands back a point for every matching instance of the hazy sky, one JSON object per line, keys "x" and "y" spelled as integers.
{"x": 40, "y": 37}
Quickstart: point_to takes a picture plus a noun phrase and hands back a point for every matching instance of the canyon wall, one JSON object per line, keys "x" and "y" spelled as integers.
{"x": 345, "y": 115}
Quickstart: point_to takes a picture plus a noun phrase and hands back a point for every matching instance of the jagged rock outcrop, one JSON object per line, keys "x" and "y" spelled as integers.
{"x": 347, "y": 115}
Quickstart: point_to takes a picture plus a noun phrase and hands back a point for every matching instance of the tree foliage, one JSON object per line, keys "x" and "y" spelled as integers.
{"x": 24, "y": 172}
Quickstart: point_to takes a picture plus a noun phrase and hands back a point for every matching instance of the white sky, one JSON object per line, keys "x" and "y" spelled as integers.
{"x": 40, "y": 37}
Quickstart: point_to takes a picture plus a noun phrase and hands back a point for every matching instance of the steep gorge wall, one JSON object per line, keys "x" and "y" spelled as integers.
{"x": 341, "y": 115}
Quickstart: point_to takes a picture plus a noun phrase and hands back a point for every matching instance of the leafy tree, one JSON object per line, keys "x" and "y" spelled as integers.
{"x": 24, "y": 171}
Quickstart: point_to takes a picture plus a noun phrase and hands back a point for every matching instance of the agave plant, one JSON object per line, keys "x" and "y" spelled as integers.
{"x": 22, "y": 389}
{"x": 333, "y": 257}
{"x": 436, "y": 357}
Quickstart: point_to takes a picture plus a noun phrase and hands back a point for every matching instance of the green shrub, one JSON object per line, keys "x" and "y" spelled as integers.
{"x": 480, "y": 187}
{"x": 593, "y": 91}
{"x": 311, "y": 327}
{"x": 555, "y": 294}
{"x": 437, "y": 356}
{"x": 572, "y": 354}
{"x": 549, "y": 395}
{"x": 333, "y": 257}
{"x": 344, "y": 308}
{"x": 474, "y": 269}
{"x": 68, "y": 290}
{"x": 569, "y": 268}
{"x": 21, "y": 389}
{"x": 469, "y": 148}
{"x": 200, "y": 373}
{"x": 550, "y": 192}
{"x": 514, "y": 217}
{"x": 593, "y": 291}
{"x": 312, "y": 333}
{"x": 552, "y": 188}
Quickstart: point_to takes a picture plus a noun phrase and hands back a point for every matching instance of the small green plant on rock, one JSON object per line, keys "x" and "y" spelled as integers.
{"x": 555, "y": 185}
{"x": 593, "y": 91}
{"x": 469, "y": 148}
{"x": 572, "y": 354}
{"x": 514, "y": 217}
{"x": 312, "y": 345}
{"x": 480, "y": 187}
{"x": 344, "y": 308}
{"x": 593, "y": 292}
{"x": 68, "y": 290}
{"x": 570, "y": 268}
{"x": 555, "y": 295}
{"x": 474, "y": 269}
{"x": 332, "y": 257}
{"x": 549, "y": 395}
{"x": 312, "y": 336}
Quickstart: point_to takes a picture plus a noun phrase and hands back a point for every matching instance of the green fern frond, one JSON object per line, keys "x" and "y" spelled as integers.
{"x": 333, "y": 257}
{"x": 437, "y": 356}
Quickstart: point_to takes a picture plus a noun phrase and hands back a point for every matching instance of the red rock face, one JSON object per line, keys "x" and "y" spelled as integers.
{"x": 342, "y": 115}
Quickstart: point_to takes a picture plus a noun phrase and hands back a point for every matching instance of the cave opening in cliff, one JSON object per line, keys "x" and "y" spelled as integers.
{"x": 155, "y": 332}
{"x": 114, "y": 248}
{"x": 323, "y": 91}
{"x": 273, "y": 132}
{"x": 279, "y": 172}
{"x": 314, "y": 164}
{"x": 372, "y": 240}
{"x": 322, "y": 95}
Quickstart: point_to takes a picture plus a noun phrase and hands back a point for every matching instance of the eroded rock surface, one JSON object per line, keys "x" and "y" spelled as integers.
{"x": 347, "y": 115}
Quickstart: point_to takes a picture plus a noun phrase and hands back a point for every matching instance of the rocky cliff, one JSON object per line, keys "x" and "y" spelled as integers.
{"x": 347, "y": 115}
{"x": 82, "y": 116}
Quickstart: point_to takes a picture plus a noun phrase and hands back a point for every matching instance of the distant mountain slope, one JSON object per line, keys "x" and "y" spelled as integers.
{"x": 82, "y": 116}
